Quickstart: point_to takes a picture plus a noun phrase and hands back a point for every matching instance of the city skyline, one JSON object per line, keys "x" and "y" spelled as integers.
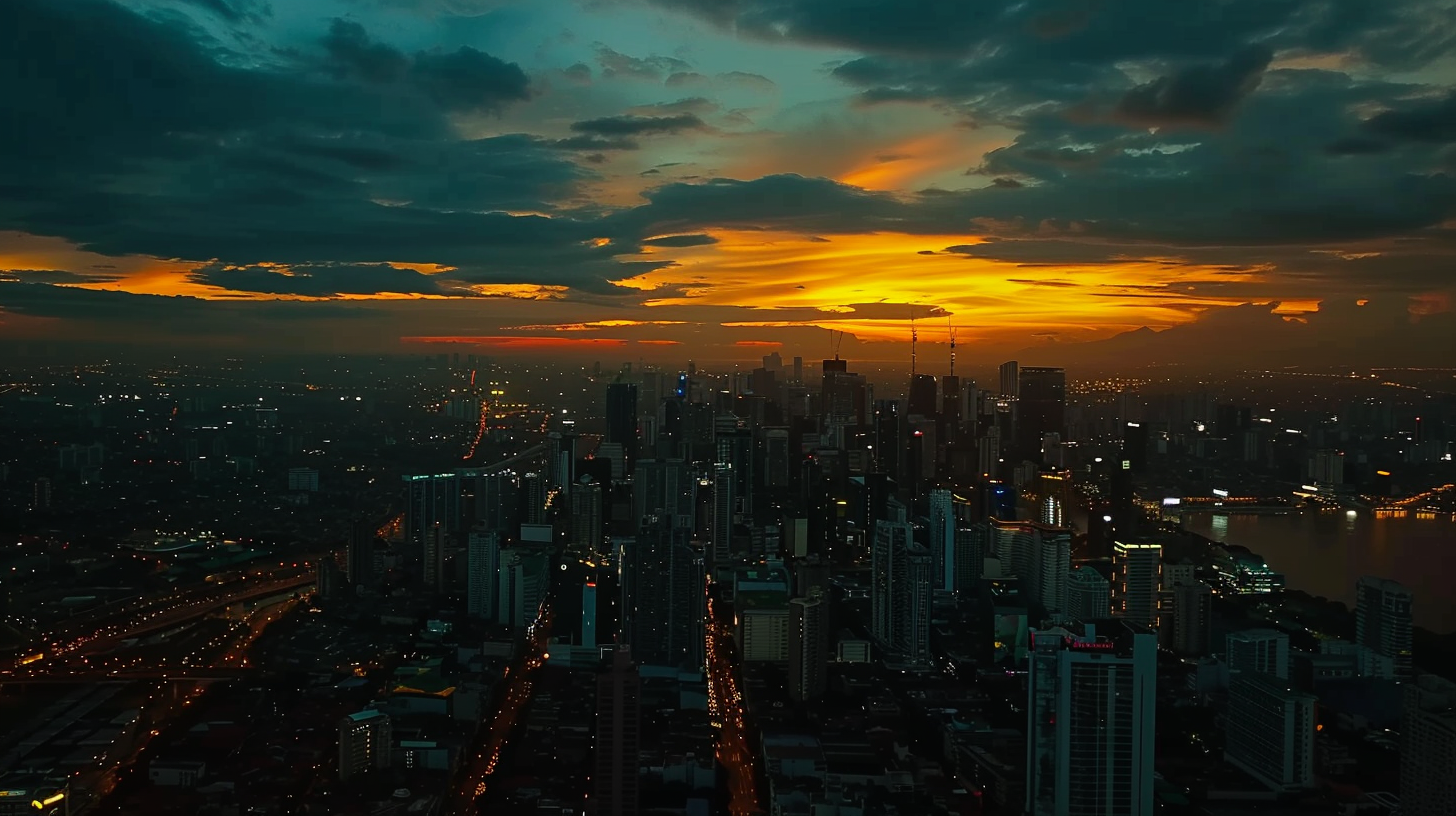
{"x": 670, "y": 178}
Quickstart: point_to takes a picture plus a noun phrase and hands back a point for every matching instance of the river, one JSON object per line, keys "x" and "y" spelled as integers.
{"x": 1325, "y": 552}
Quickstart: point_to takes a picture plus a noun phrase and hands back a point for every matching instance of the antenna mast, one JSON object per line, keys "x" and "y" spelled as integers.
{"x": 952, "y": 346}
{"x": 914, "y": 336}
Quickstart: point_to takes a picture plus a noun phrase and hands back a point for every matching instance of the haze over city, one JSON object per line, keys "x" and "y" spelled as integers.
{"x": 727, "y": 407}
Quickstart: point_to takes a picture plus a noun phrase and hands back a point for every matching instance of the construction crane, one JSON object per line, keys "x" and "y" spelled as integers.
{"x": 914, "y": 336}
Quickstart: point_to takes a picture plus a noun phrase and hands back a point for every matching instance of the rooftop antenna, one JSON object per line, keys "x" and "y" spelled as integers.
{"x": 913, "y": 337}
{"x": 951, "y": 326}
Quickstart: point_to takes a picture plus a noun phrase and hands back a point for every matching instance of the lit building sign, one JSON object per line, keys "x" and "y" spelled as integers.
{"x": 1221, "y": 493}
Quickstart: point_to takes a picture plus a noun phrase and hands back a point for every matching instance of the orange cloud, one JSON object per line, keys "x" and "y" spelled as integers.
{"x": 766, "y": 343}
{"x": 596, "y": 324}
{"x": 518, "y": 343}
{"x": 660, "y": 342}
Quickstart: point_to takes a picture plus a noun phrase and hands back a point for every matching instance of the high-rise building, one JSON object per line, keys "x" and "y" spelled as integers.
{"x": 970, "y": 556}
{"x": 365, "y": 743}
{"x": 1089, "y": 595}
{"x": 434, "y": 560}
{"x": 1010, "y": 380}
{"x": 495, "y": 502}
{"x": 724, "y": 512}
{"x": 482, "y": 573}
{"x": 1136, "y": 580}
{"x": 589, "y": 615}
{"x": 943, "y": 539}
{"x": 1258, "y": 651}
{"x": 1090, "y": 718}
{"x": 618, "y": 738}
{"x": 1269, "y": 731}
{"x": 1039, "y": 555}
{"x": 808, "y": 646}
{"x": 431, "y": 500}
{"x": 900, "y": 591}
{"x": 1428, "y": 747}
{"x": 923, "y": 396}
{"x": 1383, "y": 621}
{"x": 761, "y": 612}
{"x": 359, "y": 555}
{"x": 521, "y": 587}
{"x": 665, "y": 486}
{"x": 1041, "y": 407}
{"x": 663, "y": 588}
{"x": 621, "y": 413}
{"x": 1326, "y": 467}
{"x": 586, "y": 504}
{"x": 1192, "y": 618}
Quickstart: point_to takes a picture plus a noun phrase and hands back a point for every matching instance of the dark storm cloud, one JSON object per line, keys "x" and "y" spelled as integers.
{"x": 136, "y": 141}
{"x": 178, "y": 314}
{"x": 1197, "y": 95}
{"x": 1431, "y": 120}
{"x": 460, "y": 80}
{"x": 52, "y": 276}
{"x": 628, "y": 126}
{"x": 322, "y": 280}
{"x": 695, "y": 239}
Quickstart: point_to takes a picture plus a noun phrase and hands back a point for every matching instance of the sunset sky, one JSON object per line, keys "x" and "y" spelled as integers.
{"x": 708, "y": 178}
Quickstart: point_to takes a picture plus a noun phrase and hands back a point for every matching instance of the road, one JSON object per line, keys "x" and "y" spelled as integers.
{"x": 474, "y": 783}
{"x": 725, "y": 709}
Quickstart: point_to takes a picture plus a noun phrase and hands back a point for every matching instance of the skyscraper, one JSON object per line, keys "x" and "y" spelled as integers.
{"x": 1010, "y": 381}
{"x": 621, "y": 414}
{"x": 1383, "y": 620}
{"x": 365, "y": 743}
{"x": 359, "y": 555}
{"x": 430, "y": 500}
{"x": 900, "y": 592}
{"x": 434, "y": 560}
{"x": 808, "y": 646}
{"x": 1089, "y": 596}
{"x": 1270, "y": 731}
{"x": 663, "y": 595}
{"x": 1192, "y": 618}
{"x": 970, "y": 556}
{"x": 1428, "y": 747}
{"x": 943, "y": 539}
{"x": 482, "y": 573}
{"x": 923, "y": 396}
{"x": 1039, "y": 555}
{"x": 521, "y": 587}
{"x": 586, "y": 503}
{"x": 1258, "y": 651}
{"x": 665, "y": 486}
{"x": 1041, "y": 407}
{"x": 1136, "y": 579}
{"x": 1090, "y": 718}
{"x": 618, "y": 738}
{"x": 589, "y": 615}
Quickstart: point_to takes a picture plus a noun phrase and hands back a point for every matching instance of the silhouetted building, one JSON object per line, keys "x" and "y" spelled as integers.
{"x": 1258, "y": 651}
{"x": 1383, "y": 621}
{"x": 1270, "y": 731}
{"x": 621, "y": 414}
{"x": 365, "y": 743}
{"x": 1041, "y": 408}
{"x": 1428, "y": 747}
{"x": 1136, "y": 580}
{"x": 618, "y": 738}
{"x": 1090, "y": 725}
{"x": 482, "y": 573}
{"x": 808, "y": 646}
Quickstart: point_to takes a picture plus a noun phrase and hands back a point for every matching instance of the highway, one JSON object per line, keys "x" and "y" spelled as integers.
{"x": 473, "y": 784}
{"x": 725, "y": 709}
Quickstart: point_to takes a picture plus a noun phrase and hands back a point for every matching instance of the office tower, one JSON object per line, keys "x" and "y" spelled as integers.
{"x": 496, "y": 502}
{"x": 890, "y": 438}
{"x": 1089, "y": 595}
{"x": 1326, "y": 467}
{"x": 589, "y": 615}
{"x": 943, "y": 539}
{"x": 1136, "y": 579}
{"x": 724, "y": 506}
{"x": 561, "y": 464}
{"x": 663, "y": 595}
{"x": 433, "y": 565}
{"x": 586, "y": 516}
{"x": 430, "y": 501}
{"x": 1383, "y": 620}
{"x": 900, "y": 592}
{"x": 1010, "y": 380}
{"x": 1090, "y": 717}
{"x": 618, "y": 737}
{"x": 808, "y": 646}
{"x": 761, "y": 612}
{"x": 621, "y": 414}
{"x": 1269, "y": 731}
{"x": 521, "y": 587}
{"x": 1192, "y": 618}
{"x": 970, "y": 556}
{"x": 1428, "y": 747}
{"x": 1039, "y": 555}
{"x": 1121, "y": 506}
{"x": 533, "y": 498}
{"x": 1258, "y": 651}
{"x": 365, "y": 743}
{"x": 1041, "y": 407}
{"x": 1135, "y": 446}
{"x": 483, "y": 557}
{"x": 775, "y": 473}
{"x": 952, "y": 408}
{"x": 665, "y": 486}
{"x": 923, "y": 396}
{"x": 798, "y": 370}
{"x": 359, "y": 555}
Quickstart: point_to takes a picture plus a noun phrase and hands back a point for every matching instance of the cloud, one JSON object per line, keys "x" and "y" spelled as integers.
{"x": 460, "y": 80}
{"x": 617, "y": 64}
{"x": 53, "y": 276}
{"x": 1201, "y": 95}
{"x": 319, "y": 280}
{"x": 627, "y": 126}
{"x": 1430, "y": 120}
{"x": 691, "y": 240}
